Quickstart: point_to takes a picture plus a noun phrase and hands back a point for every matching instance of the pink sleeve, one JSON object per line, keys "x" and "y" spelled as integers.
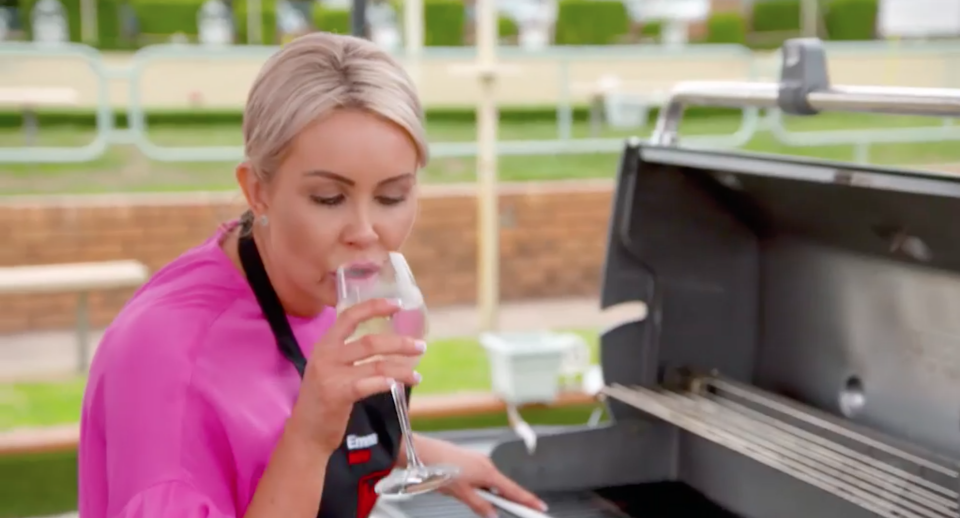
{"x": 166, "y": 452}
{"x": 171, "y": 499}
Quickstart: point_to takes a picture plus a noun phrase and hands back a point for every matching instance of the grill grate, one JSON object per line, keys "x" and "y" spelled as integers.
{"x": 803, "y": 445}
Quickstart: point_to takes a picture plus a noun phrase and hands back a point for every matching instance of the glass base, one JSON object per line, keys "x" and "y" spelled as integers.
{"x": 415, "y": 480}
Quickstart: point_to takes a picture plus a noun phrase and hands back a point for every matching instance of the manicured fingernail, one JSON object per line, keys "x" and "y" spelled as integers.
{"x": 421, "y": 345}
{"x": 543, "y": 506}
{"x": 417, "y": 376}
{"x": 394, "y": 303}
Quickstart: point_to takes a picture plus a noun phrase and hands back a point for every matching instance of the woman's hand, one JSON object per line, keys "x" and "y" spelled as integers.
{"x": 339, "y": 374}
{"x": 476, "y": 472}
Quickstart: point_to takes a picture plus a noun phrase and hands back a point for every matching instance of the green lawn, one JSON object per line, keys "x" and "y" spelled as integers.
{"x": 450, "y": 365}
{"x": 123, "y": 168}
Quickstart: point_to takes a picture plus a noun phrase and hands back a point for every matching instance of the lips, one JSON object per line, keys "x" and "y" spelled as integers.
{"x": 361, "y": 270}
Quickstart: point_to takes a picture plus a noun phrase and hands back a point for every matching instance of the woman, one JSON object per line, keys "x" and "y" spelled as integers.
{"x": 225, "y": 387}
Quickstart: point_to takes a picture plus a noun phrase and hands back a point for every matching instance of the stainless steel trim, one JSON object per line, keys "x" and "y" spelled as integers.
{"x": 872, "y": 99}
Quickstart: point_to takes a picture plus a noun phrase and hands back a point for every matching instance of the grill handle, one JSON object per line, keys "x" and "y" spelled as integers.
{"x": 804, "y": 89}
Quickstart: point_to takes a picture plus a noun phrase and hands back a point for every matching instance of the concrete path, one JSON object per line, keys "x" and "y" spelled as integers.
{"x": 54, "y": 354}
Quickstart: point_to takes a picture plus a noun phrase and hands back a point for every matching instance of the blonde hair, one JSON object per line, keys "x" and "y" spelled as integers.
{"x": 314, "y": 75}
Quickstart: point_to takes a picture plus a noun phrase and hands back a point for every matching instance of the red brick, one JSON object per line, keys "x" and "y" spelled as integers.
{"x": 552, "y": 246}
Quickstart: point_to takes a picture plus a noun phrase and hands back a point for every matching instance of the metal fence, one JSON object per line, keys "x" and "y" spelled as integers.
{"x": 575, "y": 73}
{"x": 563, "y": 65}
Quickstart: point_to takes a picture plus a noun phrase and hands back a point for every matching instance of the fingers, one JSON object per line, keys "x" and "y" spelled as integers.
{"x": 349, "y": 319}
{"x": 476, "y": 503}
{"x": 370, "y": 346}
{"x": 510, "y": 490}
{"x": 366, "y": 387}
{"x": 388, "y": 368}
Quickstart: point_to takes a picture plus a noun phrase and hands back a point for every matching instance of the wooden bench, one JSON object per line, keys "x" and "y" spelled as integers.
{"x": 28, "y": 99}
{"x": 81, "y": 278}
{"x": 65, "y": 438}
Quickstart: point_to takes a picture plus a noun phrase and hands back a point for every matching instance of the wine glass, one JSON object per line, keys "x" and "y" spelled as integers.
{"x": 364, "y": 280}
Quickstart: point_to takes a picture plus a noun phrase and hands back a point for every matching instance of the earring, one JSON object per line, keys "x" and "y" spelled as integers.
{"x": 263, "y": 220}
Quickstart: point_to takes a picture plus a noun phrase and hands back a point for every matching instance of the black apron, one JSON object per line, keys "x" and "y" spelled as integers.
{"x": 373, "y": 438}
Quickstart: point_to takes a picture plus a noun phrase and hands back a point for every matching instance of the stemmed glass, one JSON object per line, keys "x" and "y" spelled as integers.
{"x": 361, "y": 281}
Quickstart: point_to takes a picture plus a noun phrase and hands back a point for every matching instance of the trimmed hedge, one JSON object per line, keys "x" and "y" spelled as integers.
{"x": 843, "y": 19}
{"x": 507, "y": 28}
{"x": 166, "y": 17}
{"x": 109, "y": 25}
{"x": 331, "y": 20}
{"x": 726, "y": 28}
{"x": 38, "y": 485}
{"x": 579, "y": 22}
{"x": 444, "y": 23}
{"x": 851, "y": 19}
{"x": 13, "y": 119}
{"x": 591, "y": 22}
{"x": 268, "y": 20}
{"x": 776, "y": 15}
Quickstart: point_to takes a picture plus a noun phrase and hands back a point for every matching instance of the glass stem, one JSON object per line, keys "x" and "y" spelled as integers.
{"x": 400, "y": 402}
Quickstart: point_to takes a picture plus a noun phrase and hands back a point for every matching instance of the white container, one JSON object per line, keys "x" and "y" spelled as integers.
{"x": 525, "y": 367}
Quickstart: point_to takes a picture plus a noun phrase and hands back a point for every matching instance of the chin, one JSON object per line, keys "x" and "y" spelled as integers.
{"x": 326, "y": 294}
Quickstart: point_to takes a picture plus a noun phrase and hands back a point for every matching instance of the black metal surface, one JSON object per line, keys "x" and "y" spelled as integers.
{"x": 630, "y": 452}
{"x": 663, "y": 500}
{"x": 795, "y": 277}
{"x": 795, "y": 282}
{"x": 565, "y": 505}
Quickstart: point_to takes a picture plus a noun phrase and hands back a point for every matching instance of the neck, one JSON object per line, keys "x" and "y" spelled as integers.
{"x": 293, "y": 304}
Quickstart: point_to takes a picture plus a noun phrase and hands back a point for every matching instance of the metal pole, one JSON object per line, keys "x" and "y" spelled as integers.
{"x": 88, "y": 22}
{"x": 413, "y": 37}
{"x": 83, "y": 332}
{"x": 488, "y": 271}
{"x": 358, "y": 18}
{"x": 811, "y": 17}
{"x": 254, "y": 22}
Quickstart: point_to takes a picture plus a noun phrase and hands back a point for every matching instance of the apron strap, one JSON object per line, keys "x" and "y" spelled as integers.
{"x": 269, "y": 301}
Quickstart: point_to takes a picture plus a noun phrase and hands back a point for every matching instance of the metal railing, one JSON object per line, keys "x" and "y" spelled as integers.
{"x": 48, "y": 154}
{"x": 942, "y": 59}
{"x": 137, "y": 134}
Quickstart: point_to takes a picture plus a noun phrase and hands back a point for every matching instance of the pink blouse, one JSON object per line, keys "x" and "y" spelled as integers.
{"x": 187, "y": 395}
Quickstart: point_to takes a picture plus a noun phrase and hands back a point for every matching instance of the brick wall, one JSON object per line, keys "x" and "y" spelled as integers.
{"x": 552, "y": 241}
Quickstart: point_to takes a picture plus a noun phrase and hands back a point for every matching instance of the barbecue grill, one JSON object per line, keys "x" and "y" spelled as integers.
{"x": 801, "y": 350}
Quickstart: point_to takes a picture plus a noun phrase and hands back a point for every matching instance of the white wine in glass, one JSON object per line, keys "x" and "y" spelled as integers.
{"x": 361, "y": 281}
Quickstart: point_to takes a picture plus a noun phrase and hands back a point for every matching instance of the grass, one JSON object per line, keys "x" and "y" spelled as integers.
{"x": 451, "y": 365}
{"x": 124, "y": 168}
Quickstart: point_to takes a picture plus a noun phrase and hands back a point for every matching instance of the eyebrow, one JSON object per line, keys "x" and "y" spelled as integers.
{"x": 344, "y": 180}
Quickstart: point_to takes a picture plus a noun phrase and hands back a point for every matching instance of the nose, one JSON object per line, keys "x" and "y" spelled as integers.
{"x": 361, "y": 232}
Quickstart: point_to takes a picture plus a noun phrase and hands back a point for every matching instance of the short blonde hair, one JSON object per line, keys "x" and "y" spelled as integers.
{"x": 314, "y": 75}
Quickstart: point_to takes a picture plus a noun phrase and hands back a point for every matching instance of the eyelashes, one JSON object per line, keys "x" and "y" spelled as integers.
{"x": 388, "y": 201}
{"x": 328, "y": 201}
{"x": 334, "y": 201}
